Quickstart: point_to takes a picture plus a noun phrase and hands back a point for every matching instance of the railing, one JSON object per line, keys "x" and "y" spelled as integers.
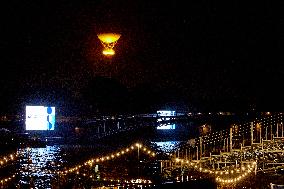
{"x": 260, "y": 149}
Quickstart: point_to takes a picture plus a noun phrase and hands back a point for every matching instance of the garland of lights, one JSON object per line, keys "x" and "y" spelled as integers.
{"x": 8, "y": 158}
{"x": 238, "y": 178}
{"x": 213, "y": 171}
{"x": 245, "y": 171}
{"x": 108, "y": 157}
{"x": 132, "y": 181}
{"x": 3, "y": 162}
{"x": 6, "y": 180}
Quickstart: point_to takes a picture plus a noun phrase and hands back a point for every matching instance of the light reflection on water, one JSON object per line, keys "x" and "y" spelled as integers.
{"x": 167, "y": 146}
{"x": 37, "y": 165}
{"x": 166, "y": 126}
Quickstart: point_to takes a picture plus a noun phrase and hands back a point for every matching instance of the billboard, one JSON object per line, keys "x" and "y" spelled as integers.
{"x": 40, "y": 118}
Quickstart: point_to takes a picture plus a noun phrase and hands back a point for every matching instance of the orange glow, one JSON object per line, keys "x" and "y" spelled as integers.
{"x": 108, "y": 52}
{"x": 109, "y": 37}
{"x": 108, "y": 40}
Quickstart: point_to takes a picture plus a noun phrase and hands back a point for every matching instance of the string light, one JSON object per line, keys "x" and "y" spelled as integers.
{"x": 107, "y": 157}
{"x": 145, "y": 181}
{"x": 238, "y": 178}
{"x": 236, "y": 171}
{"x": 5, "y": 180}
{"x": 11, "y": 157}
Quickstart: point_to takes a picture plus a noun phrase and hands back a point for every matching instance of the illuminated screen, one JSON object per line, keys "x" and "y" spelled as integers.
{"x": 166, "y": 113}
{"x": 40, "y": 118}
{"x": 167, "y": 126}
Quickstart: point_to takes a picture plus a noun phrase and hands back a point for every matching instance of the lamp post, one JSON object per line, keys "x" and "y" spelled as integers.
{"x": 138, "y": 157}
{"x": 138, "y": 162}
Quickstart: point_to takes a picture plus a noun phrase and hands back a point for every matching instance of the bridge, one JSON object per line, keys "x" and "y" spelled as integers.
{"x": 106, "y": 126}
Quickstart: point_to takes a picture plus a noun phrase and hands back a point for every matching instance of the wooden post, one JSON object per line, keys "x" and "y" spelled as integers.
{"x": 282, "y": 129}
{"x": 266, "y": 133}
{"x": 251, "y": 131}
{"x": 231, "y": 139}
{"x": 200, "y": 147}
{"x": 260, "y": 133}
{"x": 271, "y": 134}
{"x": 277, "y": 124}
{"x": 197, "y": 152}
{"x": 227, "y": 144}
{"x": 255, "y": 169}
{"x": 262, "y": 144}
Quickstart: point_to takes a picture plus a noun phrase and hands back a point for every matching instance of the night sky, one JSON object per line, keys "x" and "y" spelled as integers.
{"x": 185, "y": 55}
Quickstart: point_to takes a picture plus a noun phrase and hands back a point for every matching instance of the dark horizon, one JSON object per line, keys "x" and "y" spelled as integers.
{"x": 195, "y": 56}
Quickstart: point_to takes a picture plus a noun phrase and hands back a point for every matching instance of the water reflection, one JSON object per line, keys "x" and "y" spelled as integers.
{"x": 167, "y": 126}
{"x": 167, "y": 146}
{"x": 37, "y": 165}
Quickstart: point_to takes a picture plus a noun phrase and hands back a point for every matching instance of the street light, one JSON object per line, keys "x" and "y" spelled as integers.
{"x": 138, "y": 166}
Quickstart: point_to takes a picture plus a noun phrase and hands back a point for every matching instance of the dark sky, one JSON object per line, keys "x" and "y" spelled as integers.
{"x": 184, "y": 52}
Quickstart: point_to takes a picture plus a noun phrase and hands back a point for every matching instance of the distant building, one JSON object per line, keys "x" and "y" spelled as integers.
{"x": 166, "y": 113}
